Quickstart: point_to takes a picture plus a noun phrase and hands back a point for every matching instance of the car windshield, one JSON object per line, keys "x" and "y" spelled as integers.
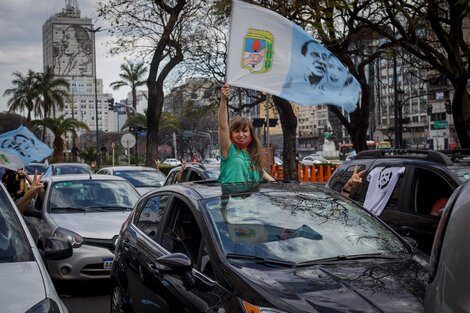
{"x": 14, "y": 246}
{"x": 70, "y": 169}
{"x": 40, "y": 168}
{"x": 462, "y": 172}
{"x": 91, "y": 195}
{"x": 297, "y": 227}
{"x": 212, "y": 174}
{"x": 142, "y": 178}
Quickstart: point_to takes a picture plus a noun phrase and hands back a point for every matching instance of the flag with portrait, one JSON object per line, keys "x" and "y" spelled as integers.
{"x": 22, "y": 143}
{"x": 271, "y": 54}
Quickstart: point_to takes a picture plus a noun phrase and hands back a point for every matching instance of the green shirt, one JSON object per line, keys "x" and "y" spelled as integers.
{"x": 237, "y": 167}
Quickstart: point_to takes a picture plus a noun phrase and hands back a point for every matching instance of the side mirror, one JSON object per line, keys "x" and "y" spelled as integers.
{"x": 57, "y": 249}
{"x": 181, "y": 264}
{"x": 176, "y": 261}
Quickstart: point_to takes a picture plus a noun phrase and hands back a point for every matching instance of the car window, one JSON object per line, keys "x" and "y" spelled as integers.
{"x": 194, "y": 176}
{"x": 181, "y": 232}
{"x": 340, "y": 177}
{"x": 148, "y": 219}
{"x": 142, "y": 178}
{"x": 14, "y": 246}
{"x": 297, "y": 227}
{"x": 77, "y": 196}
{"x": 429, "y": 187}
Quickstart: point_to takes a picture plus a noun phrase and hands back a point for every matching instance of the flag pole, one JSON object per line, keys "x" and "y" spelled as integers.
{"x": 268, "y": 101}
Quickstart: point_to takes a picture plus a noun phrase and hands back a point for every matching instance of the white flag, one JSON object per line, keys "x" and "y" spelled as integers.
{"x": 269, "y": 53}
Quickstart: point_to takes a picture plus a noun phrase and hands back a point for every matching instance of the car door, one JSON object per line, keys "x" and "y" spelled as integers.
{"x": 136, "y": 241}
{"x": 428, "y": 186}
{"x": 190, "y": 291}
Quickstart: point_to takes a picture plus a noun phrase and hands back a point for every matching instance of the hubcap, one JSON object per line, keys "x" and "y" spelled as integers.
{"x": 116, "y": 302}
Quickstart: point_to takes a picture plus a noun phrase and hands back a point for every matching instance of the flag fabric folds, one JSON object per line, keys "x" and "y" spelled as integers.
{"x": 271, "y": 54}
{"x": 24, "y": 144}
{"x": 10, "y": 161}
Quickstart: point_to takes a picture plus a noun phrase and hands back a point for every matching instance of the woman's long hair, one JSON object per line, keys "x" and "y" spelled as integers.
{"x": 254, "y": 148}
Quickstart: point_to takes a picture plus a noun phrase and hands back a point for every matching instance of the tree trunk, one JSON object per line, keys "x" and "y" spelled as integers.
{"x": 461, "y": 112}
{"x": 58, "y": 145}
{"x": 154, "y": 111}
{"x": 289, "y": 128}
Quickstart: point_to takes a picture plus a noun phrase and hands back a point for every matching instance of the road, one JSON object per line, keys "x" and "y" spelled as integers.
{"x": 84, "y": 296}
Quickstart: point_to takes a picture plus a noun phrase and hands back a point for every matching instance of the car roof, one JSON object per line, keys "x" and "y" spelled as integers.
{"x": 129, "y": 168}
{"x": 70, "y": 164}
{"x": 76, "y": 177}
{"x": 211, "y": 188}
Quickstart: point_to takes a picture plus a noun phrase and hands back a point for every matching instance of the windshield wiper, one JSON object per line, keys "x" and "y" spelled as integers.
{"x": 348, "y": 258}
{"x": 69, "y": 208}
{"x": 102, "y": 208}
{"x": 258, "y": 259}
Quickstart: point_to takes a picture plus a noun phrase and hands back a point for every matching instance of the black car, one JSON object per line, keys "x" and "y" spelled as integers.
{"x": 270, "y": 247}
{"x": 429, "y": 177}
{"x": 193, "y": 172}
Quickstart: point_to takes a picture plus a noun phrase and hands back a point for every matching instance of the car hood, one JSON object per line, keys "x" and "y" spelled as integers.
{"x": 350, "y": 286}
{"x": 22, "y": 286}
{"x": 99, "y": 225}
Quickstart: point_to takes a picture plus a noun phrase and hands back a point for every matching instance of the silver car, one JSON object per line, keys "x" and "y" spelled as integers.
{"x": 143, "y": 178}
{"x": 449, "y": 276}
{"x": 314, "y": 160}
{"x": 25, "y": 285}
{"x": 88, "y": 210}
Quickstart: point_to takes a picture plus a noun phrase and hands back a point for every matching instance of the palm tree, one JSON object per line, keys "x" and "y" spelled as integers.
{"x": 24, "y": 95}
{"x": 167, "y": 121}
{"x": 131, "y": 76}
{"x": 53, "y": 91}
{"x": 59, "y": 127}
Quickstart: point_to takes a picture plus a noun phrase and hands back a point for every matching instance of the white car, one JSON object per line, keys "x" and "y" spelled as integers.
{"x": 25, "y": 284}
{"x": 172, "y": 162}
{"x": 142, "y": 178}
{"x": 88, "y": 210}
{"x": 314, "y": 160}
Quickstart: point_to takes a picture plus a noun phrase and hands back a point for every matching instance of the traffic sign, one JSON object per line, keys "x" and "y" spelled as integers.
{"x": 128, "y": 141}
{"x": 440, "y": 124}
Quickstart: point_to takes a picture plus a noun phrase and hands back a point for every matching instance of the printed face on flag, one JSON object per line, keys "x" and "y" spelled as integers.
{"x": 24, "y": 144}
{"x": 271, "y": 54}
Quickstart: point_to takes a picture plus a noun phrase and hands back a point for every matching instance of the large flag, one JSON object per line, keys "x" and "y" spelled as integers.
{"x": 269, "y": 53}
{"x": 23, "y": 143}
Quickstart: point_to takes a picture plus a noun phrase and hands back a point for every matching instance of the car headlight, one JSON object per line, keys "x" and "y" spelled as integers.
{"x": 75, "y": 239}
{"x": 45, "y": 306}
{"x": 251, "y": 308}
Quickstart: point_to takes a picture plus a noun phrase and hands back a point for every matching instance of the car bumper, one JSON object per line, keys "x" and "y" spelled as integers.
{"x": 86, "y": 263}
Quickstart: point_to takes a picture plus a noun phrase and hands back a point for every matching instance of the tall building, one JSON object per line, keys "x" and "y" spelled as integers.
{"x": 69, "y": 48}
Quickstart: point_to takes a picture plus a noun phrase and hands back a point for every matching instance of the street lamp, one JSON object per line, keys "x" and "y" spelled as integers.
{"x": 398, "y": 118}
{"x": 94, "y": 31}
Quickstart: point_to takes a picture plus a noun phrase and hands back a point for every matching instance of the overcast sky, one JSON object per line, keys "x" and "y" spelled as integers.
{"x": 21, "y": 24}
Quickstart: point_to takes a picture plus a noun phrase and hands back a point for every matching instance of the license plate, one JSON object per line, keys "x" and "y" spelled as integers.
{"x": 107, "y": 263}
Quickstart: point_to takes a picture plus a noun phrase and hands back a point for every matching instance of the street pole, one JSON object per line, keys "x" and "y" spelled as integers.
{"x": 96, "y": 92}
{"x": 395, "y": 90}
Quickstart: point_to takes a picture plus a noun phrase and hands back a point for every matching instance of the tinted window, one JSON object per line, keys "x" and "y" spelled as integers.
{"x": 298, "y": 227}
{"x": 63, "y": 170}
{"x": 194, "y": 176}
{"x": 182, "y": 233}
{"x": 149, "y": 218}
{"x": 14, "y": 247}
